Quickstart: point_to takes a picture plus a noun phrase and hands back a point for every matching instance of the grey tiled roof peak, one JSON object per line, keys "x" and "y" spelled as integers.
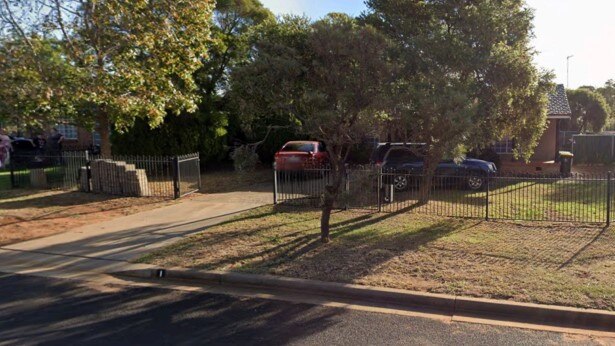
{"x": 558, "y": 102}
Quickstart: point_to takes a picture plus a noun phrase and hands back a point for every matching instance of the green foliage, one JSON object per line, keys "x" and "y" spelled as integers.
{"x": 133, "y": 59}
{"x": 244, "y": 159}
{"x": 35, "y": 90}
{"x": 182, "y": 134}
{"x": 207, "y": 130}
{"x": 590, "y": 110}
{"x": 230, "y": 44}
{"x": 264, "y": 92}
{"x": 465, "y": 75}
{"x": 608, "y": 92}
{"x": 327, "y": 79}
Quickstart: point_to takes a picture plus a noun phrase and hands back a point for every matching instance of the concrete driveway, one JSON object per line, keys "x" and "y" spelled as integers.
{"x": 110, "y": 246}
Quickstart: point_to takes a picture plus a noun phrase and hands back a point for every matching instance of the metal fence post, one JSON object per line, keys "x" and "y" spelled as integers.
{"x": 176, "y": 189}
{"x": 346, "y": 187}
{"x": 88, "y": 173}
{"x": 608, "y": 198}
{"x": 275, "y": 185}
{"x": 198, "y": 168}
{"x": 487, "y": 197}
{"x": 379, "y": 188}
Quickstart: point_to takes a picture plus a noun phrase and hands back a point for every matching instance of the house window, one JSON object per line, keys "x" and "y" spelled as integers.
{"x": 96, "y": 138}
{"x": 504, "y": 146}
{"x": 68, "y": 131}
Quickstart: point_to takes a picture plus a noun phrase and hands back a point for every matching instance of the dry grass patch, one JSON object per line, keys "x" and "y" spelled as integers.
{"x": 229, "y": 180}
{"x": 27, "y": 214}
{"x": 543, "y": 263}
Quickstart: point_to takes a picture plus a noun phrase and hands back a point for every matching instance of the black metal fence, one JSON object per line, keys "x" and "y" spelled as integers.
{"x": 157, "y": 176}
{"x": 579, "y": 198}
{"x": 43, "y": 171}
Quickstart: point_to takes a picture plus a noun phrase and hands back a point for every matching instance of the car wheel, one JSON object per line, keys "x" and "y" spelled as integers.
{"x": 386, "y": 199}
{"x": 475, "y": 182}
{"x": 400, "y": 182}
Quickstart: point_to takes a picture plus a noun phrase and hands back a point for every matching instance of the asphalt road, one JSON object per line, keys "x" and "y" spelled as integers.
{"x": 36, "y": 310}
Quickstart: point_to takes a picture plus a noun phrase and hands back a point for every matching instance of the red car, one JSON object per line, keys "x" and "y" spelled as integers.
{"x": 296, "y": 155}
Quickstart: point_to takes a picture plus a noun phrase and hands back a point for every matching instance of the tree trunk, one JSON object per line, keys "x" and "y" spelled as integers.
{"x": 105, "y": 134}
{"x": 331, "y": 195}
{"x": 325, "y": 220}
{"x": 429, "y": 170}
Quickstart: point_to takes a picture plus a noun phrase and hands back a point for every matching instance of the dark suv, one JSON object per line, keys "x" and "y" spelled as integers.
{"x": 402, "y": 165}
{"x": 27, "y": 155}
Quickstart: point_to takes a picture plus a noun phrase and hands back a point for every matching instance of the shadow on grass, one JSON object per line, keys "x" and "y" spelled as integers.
{"x": 352, "y": 237}
{"x": 584, "y": 248}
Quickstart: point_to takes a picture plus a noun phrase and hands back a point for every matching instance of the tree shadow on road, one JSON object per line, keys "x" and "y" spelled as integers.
{"x": 73, "y": 313}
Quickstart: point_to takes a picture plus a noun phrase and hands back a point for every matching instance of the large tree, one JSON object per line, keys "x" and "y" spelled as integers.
{"x": 608, "y": 92}
{"x": 590, "y": 110}
{"x": 207, "y": 129}
{"x": 467, "y": 76}
{"x": 134, "y": 59}
{"x": 35, "y": 90}
{"x": 328, "y": 78}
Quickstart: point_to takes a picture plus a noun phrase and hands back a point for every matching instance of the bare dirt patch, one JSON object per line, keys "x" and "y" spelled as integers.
{"x": 27, "y": 215}
{"x": 566, "y": 264}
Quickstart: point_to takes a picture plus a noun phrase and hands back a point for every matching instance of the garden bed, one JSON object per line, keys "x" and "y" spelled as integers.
{"x": 564, "y": 264}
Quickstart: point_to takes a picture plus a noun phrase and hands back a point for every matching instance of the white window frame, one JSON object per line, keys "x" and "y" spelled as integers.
{"x": 70, "y": 132}
{"x": 505, "y": 146}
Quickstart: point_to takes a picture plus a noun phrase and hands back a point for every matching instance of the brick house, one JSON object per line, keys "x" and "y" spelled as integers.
{"x": 544, "y": 159}
{"x": 77, "y": 138}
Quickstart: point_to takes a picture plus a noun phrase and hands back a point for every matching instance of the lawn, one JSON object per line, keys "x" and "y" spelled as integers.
{"x": 28, "y": 214}
{"x": 565, "y": 264}
{"x": 56, "y": 178}
{"x": 518, "y": 198}
{"x": 5, "y": 180}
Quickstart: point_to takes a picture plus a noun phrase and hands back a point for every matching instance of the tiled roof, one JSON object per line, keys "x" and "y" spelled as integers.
{"x": 558, "y": 102}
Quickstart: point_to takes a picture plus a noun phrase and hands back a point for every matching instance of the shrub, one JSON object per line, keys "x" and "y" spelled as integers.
{"x": 244, "y": 159}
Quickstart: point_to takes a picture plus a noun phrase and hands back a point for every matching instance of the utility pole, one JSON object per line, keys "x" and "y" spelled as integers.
{"x": 568, "y": 71}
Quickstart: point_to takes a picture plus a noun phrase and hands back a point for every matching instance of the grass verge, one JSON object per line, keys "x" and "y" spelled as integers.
{"x": 5, "y": 180}
{"x": 541, "y": 263}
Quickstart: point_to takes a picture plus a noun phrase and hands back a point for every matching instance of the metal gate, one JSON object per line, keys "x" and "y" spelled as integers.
{"x": 186, "y": 174}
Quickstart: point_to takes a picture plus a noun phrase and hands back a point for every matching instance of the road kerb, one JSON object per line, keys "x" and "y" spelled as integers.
{"x": 566, "y": 317}
{"x": 449, "y": 305}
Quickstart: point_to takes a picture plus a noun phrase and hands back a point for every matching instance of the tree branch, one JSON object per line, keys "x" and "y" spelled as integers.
{"x": 16, "y": 26}
{"x": 67, "y": 38}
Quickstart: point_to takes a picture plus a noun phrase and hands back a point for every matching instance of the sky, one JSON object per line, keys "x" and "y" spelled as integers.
{"x": 584, "y": 29}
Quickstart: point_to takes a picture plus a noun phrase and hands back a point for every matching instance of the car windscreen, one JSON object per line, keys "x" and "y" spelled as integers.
{"x": 304, "y": 147}
{"x": 400, "y": 156}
